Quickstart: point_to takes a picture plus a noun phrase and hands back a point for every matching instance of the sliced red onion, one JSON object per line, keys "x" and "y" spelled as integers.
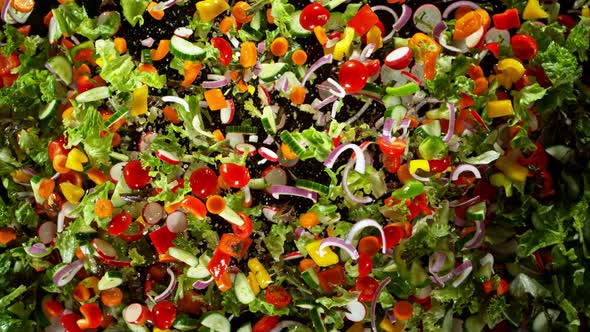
{"x": 336, "y": 242}
{"x": 168, "y": 289}
{"x": 277, "y": 190}
{"x": 487, "y": 259}
{"x": 284, "y": 324}
{"x": 359, "y": 113}
{"x": 459, "y": 221}
{"x": 5, "y": 17}
{"x": 468, "y": 202}
{"x": 420, "y": 178}
{"x": 326, "y": 59}
{"x": 75, "y": 40}
{"x": 387, "y": 128}
{"x": 256, "y": 70}
{"x": 465, "y": 168}
{"x": 436, "y": 262}
{"x": 411, "y": 77}
{"x": 360, "y": 157}
{"x": 215, "y": 84}
{"x": 66, "y": 208}
{"x": 459, "y": 47}
{"x": 47, "y": 232}
{"x": 362, "y": 224}
{"x": 148, "y": 42}
{"x": 200, "y": 284}
{"x": 327, "y": 101}
{"x": 378, "y": 291}
{"x": 17, "y": 16}
{"x": 178, "y": 100}
{"x": 164, "y": 5}
{"x": 298, "y": 232}
{"x": 439, "y": 28}
{"x": 183, "y": 32}
{"x": 458, "y": 4}
{"x": 339, "y": 92}
{"x": 403, "y": 19}
{"x": 387, "y": 9}
{"x": 247, "y": 195}
{"x": 38, "y": 249}
{"x": 65, "y": 274}
{"x": 261, "y": 47}
{"x": 367, "y": 51}
{"x": 463, "y": 272}
{"x": 349, "y": 194}
{"x": 477, "y": 239}
{"x": 369, "y": 95}
{"x": 451, "y": 129}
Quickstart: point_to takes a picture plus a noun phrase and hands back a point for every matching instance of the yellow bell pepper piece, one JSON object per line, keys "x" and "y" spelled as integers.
{"x": 210, "y": 9}
{"x": 500, "y": 180}
{"x": 511, "y": 67}
{"x": 512, "y": 169}
{"x": 75, "y": 160}
{"x": 326, "y": 258}
{"x": 586, "y": 11}
{"x": 254, "y": 265}
{"x": 417, "y": 164}
{"x": 263, "y": 279}
{"x": 253, "y": 283}
{"x": 374, "y": 36}
{"x": 534, "y": 11}
{"x": 498, "y": 108}
{"x": 71, "y": 192}
{"x": 140, "y": 101}
{"x": 155, "y": 329}
{"x": 343, "y": 46}
{"x": 20, "y": 176}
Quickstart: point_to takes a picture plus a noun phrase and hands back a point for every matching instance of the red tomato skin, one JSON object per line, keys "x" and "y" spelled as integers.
{"x": 203, "y": 182}
{"x": 277, "y": 296}
{"x": 314, "y": 15}
{"x": 524, "y": 46}
{"x": 225, "y": 50}
{"x": 136, "y": 177}
{"x": 353, "y": 76}
{"x": 265, "y": 324}
{"x": 367, "y": 286}
{"x": 163, "y": 314}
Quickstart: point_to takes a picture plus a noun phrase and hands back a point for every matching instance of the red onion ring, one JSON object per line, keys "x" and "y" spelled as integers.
{"x": 436, "y": 262}
{"x": 463, "y": 271}
{"x": 164, "y": 5}
{"x": 321, "y": 104}
{"x": 168, "y": 289}
{"x": 359, "y": 113}
{"x": 349, "y": 194}
{"x": 148, "y": 42}
{"x": 336, "y": 242}
{"x": 360, "y": 158}
{"x": 362, "y": 224}
{"x": 261, "y": 47}
{"x": 339, "y": 92}
{"x": 404, "y": 18}
{"x": 326, "y": 59}
{"x": 477, "y": 239}
{"x": 200, "y": 284}
{"x": 458, "y": 4}
{"x": 215, "y": 84}
{"x": 451, "y": 129}
{"x": 464, "y": 168}
{"x": 378, "y": 291}
{"x": 277, "y": 190}
{"x": 65, "y": 274}
{"x": 468, "y": 202}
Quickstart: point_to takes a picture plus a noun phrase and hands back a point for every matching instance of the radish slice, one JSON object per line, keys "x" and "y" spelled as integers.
{"x": 473, "y": 39}
{"x": 243, "y": 147}
{"x": 234, "y": 139}
{"x": 426, "y": 17}
{"x": 356, "y": 311}
{"x": 47, "y": 232}
{"x": 152, "y": 213}
{"x": 116, "y": 171}
{"x": 167, "y": 157}
{"x": 268, "y": 154}
{"x": 145, "y": 141}
{"x": 274, "y": 175}
{"x": 177, "y": 222}
{"x": 263, "y": 95}
{"x": 135, "y": 313}
{"x": 399, "y": 58}
{"x": 183, "y": 32}
{"x": 227, "y": 114}
{"x": 501, "y": 37}
{"x": 104, "y": 249}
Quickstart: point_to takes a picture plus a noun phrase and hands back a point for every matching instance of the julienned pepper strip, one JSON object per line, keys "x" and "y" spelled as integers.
{"x": 409, "y": 190}
{"x": 403, "y": 90}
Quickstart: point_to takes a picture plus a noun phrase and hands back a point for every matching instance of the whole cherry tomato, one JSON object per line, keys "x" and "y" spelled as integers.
{"x": 367, "y": 286}
{"x": 353, "y": 75}
{"x": 203, "y": 182}
{"x": 524, "y": 46}
{"x": 314, "y": 15}
{"x": 365, "y": 265}
{"x": 163, "y": 314}
{"x": 135, "y": 175}
{"x": 265, "y": 324}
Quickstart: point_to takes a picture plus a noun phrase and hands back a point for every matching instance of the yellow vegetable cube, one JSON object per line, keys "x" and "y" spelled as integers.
{"x": 326, "y": 258}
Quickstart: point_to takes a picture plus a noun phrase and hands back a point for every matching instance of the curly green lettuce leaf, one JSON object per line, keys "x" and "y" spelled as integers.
{"x": 133, "y": 10}
{"x": 275, "y": 240}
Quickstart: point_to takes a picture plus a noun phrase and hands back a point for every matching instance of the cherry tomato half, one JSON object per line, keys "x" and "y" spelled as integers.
{"x": 353, "y": 76}
{"x": 234, "y": 175}
{"x": 277, "y": 296}
{"x": 524, "y": 46}
{"x": 120, "y": 223}
{"x": 314, "y": 15}
{"x": 365, "y": 265}
{"x": 367, "y": 286}
{"x": 245, "y": 230}
{"x": 136, "y": 177}
{"x": 373, "y": 66}
{"x": 265, "y": 324}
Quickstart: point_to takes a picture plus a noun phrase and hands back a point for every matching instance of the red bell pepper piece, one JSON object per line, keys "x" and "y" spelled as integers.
{"x": 363, "y": 21}
{"x": 488, "y": 286}
{"x": 92, "y": 316}
{"x": 69, "y": 322}
{"x": 494, "y": 48}
{"x": 162, "y": 239}
{"x": 225, "y": 50}
{"x": 331, "y": 277}
{"x": 502, "y": 287}
{"x": 507, "y": 20}
{"x": 233, "y": 245}
{"x": 218, "y": 264}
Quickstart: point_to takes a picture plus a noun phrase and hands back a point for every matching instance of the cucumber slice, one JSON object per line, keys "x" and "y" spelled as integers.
{"x": 272, "y": 71}
{"x": 268, "y": 120}
{"x": 476, "y": 211}
{"x": 186, "y": 324}
{"x": 185, "y": 50}
{"x": 35, "y": 184}
{"x": 296, "y": 29}
{"x": 331, "y": 4}
{"x": 258, "y": 22}
{"x": 245, "y": 328}
{"x": 311, "y": 278}
{"x": 183, "y": 256}
{"x": 118, "y": 115}
{"x": 49, "y": 109}
{"x": 216, "y": 322}
{"x": 243, "y": 290}
{"x": 251, "y": 33}
{"x": 110, "y": 280}
{"x": 62, "y": 67}
{"x": 313, "y": 186}
{"x": 99, "y": 93}
{"x": 200, "y": 271}
{"x": 120, "y": 188}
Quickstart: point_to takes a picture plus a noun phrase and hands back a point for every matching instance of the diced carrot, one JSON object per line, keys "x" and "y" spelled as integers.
{"x": 147, "y": 68}
{"x": 308, "y": 263}
{"x": 162, "y": 50}
{"x": 481, "y": 86}
{"x": 103, "y": 208}
{"x": 309, "y": 219}
{"x": 403, "y": 173}
{"x": 369, "y": 245}
{"x": 403, "y": 310}
{"x": 226, "y": 24}
{"x": 120, "y": 45}
{"x": 170, "y": 114}
{"x": 279, "y": 46}
{"x": 156, "y": 14}
{"x": 7, "y": 234}
{"x": 475, "y": 72}
{"x": 269, "y": 18}
{"x": 299, "y": 57}
{"x": 215, "y": 204}
{"x": 111, "y": 297}
{"x": 298, "y": 95}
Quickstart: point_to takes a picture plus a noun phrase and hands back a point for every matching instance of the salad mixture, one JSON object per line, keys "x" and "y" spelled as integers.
{"x": 279, "y": 165}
